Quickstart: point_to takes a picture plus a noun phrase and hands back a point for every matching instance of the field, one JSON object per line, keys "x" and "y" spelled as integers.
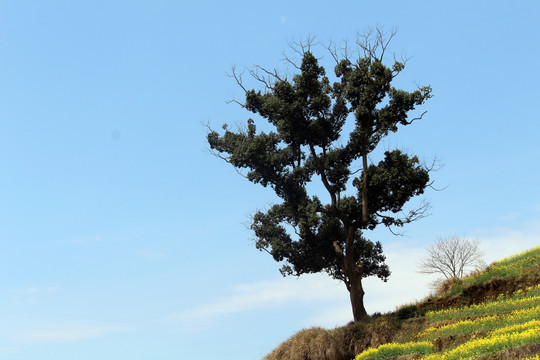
{"x": 493, "y": 314}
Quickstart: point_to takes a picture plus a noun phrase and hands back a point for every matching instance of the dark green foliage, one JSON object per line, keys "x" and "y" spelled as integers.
{"x": 308, "y": 114}
{"x": 392, "y": 183}
{"x": 409, "y": 311}
{"x": 406, "y": 312}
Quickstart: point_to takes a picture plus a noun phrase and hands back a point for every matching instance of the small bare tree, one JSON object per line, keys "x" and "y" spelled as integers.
{"x": 453, "y": 257}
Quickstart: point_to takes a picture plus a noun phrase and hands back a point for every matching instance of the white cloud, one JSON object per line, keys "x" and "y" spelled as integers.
{"x": 500, "y": 242}
{"x": 9, "y": 350}
{"x": 328, "y": 297}
{"x": 331, "y": 316}
{"x": 510, "y": 216}
{"x": 405, "y": 284}
{"x": 29, "y": 332}
{"x": 31, "y": 290}
{"x": 263, "y": 294}
{"x": 62, "y": 333}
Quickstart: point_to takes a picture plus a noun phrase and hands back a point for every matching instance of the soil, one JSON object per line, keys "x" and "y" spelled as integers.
{"x": 476, "y": 294}
{"x": 515, "y": 353}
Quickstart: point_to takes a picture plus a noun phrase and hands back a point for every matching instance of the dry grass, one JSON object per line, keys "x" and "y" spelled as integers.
{"x": 342, "y": 343}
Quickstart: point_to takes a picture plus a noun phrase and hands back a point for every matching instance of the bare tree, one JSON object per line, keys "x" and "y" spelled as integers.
{"x": 453, "y": 257}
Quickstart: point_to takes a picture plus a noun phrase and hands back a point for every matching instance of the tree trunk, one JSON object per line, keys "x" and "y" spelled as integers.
{"x": 365, "y": 205}
{"x": 353, "y": 272}
{"x": 356, "y": 293}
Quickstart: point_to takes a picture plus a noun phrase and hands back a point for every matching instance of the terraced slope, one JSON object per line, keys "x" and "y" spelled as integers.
{"x": 494, "y": 314}
{"x": 505, "y": 326}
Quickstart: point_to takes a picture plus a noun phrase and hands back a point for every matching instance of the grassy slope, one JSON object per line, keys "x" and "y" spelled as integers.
{"x": 494, "y": 314}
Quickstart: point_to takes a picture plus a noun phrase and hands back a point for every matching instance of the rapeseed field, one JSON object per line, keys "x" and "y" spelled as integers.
{"x": 497, "y": 328}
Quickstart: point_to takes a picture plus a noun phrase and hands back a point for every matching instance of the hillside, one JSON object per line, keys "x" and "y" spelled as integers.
{"x": 493, "y": 314}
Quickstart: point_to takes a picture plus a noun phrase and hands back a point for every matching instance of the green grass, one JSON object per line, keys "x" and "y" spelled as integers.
{"x": 502, "y": 304}
{"x": 512, "y": 266}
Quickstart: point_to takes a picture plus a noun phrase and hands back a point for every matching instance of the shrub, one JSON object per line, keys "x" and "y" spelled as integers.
{"x": 407, "y": 312}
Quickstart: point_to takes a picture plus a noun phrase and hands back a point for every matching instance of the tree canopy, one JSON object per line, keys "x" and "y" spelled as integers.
{"x": 308, "y": 143}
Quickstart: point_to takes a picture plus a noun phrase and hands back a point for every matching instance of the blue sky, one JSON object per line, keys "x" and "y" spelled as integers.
{"x": 121, "y": 237}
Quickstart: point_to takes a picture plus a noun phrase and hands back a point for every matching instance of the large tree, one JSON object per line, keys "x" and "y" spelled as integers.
{"x": 307, "y": 113}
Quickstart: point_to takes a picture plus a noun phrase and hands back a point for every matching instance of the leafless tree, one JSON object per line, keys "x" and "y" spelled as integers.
{"x": 452, "y": 257}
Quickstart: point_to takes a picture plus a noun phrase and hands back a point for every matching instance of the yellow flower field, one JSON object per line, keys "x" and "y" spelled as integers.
{"x": 503, "y": 304}
{"x": 394, "y": 349}
{"x": 494, "y": 343}
{"x": 483, "y": 323}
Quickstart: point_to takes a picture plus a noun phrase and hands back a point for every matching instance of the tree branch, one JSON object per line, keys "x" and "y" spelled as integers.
{"x": 320, "y": 170}
{"x": 416, "y": 118}
{"x": 303, "y": 46}
{"x": 237, "y": 77}
{"x": 344, "y": 51}
{"x": 375, "y": 41}
{"x": 414, "y": 215}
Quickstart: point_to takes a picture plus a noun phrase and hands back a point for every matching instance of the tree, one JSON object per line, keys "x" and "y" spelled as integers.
{"x": 452, "y": 257}
{"x": 308, "y": 114}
